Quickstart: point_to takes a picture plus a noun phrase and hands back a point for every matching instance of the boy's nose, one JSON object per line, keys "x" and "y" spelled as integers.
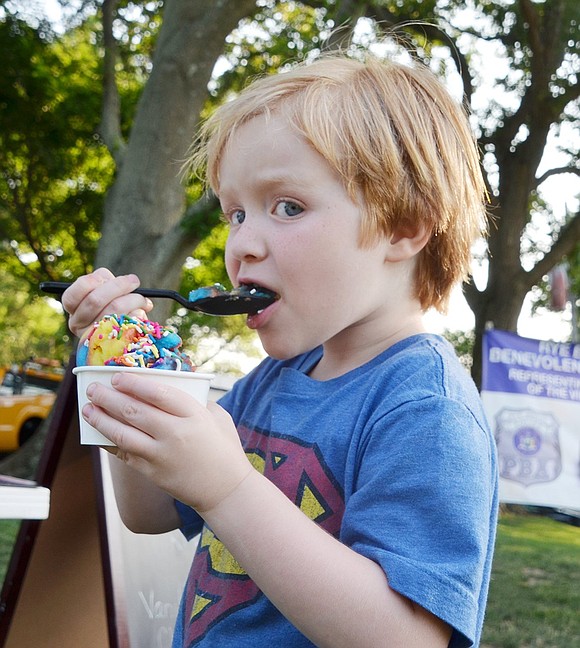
{"x": 246, "y": 243}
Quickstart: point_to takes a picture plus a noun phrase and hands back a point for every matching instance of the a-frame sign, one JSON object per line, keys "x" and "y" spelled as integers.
{"x": 80, "y": 578}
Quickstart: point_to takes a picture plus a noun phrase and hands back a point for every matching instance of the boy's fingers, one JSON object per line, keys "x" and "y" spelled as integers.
{"x": 101, "y": 293}
{"x": 82, "y": 287}
{"x": 150, "y": 392}
{"x": 122, "y": 434}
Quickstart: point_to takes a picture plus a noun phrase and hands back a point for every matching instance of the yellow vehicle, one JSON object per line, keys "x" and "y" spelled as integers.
{"x": 27, "y": 395}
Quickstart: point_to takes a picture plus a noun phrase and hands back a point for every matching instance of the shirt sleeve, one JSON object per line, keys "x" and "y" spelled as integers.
{"x": 422, "y": 505}
{"x": 191, "y": 522}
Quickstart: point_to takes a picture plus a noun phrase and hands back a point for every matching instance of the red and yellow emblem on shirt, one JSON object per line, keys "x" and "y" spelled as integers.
{"x": 217, "y": 585}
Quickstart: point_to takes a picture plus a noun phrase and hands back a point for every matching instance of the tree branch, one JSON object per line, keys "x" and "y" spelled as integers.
{"x": 530, "y": 15}
{"x": 556, "y": 171}
{"x": 537, "y": 105}
{"x": 198, "y": 220}
{"x": 349, "y": 11}
{"x": 110, "y": 127}
{"x": 23, "y": 214}
{"x": 472, "y": 295}
{"x": 564, "y": 245}
{"x": 570, "y": 93}
{"x": 345, "y": 18}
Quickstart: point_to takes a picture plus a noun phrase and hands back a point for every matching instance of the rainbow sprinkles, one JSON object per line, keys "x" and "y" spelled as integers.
{"x": 125, "y": 341}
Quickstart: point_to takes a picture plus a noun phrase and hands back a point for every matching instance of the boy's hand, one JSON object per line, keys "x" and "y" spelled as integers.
{"x": 190, "y": 451}
{"x": 101, "y": 293}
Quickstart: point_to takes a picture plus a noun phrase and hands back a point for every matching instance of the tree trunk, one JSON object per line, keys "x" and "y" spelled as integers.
{"x": 145, "y": 206}
{"x": 498, "y": 308}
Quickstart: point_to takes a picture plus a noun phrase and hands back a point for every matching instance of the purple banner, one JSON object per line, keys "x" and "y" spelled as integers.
{"x": 513, "y": 364}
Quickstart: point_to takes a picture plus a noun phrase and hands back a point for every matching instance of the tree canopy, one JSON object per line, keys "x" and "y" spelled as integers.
{"x": 115, "y": 99}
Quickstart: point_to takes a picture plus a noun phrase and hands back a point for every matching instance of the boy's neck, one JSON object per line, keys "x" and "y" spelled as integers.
{"x": 340, "y": 357}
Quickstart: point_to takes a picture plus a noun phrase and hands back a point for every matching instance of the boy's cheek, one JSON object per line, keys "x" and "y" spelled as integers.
{"x": 232, "y": 267}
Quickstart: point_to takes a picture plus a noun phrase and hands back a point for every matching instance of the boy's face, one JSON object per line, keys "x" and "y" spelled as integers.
{"x": 294, "y": 230}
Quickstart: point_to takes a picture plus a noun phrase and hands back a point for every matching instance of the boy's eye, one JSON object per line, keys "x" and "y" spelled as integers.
{"x": 236, "y": 216}
{"x": 287, "y": 209}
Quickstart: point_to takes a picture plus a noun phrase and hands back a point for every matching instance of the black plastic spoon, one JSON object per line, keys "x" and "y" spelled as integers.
{"x": 211, "y": 300}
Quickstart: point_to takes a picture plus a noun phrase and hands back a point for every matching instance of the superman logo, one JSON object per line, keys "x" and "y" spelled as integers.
{"x": 217, "y": 586}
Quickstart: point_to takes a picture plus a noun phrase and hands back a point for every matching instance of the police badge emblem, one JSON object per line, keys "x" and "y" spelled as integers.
{"x": 528, "y": 446}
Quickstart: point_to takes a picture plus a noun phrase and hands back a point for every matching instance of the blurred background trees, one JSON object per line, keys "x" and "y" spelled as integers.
{"x": 98, "y": 108}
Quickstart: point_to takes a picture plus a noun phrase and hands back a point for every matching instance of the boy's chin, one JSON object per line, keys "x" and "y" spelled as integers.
{"x": 285, "y": 351}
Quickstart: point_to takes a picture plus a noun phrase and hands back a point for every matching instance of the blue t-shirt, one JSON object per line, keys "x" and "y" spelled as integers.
{"x": 394, "y": 458}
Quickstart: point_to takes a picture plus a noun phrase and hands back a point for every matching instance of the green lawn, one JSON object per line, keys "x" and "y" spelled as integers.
{"x": 534, "y": 599}
{"x": 8, "y": 532}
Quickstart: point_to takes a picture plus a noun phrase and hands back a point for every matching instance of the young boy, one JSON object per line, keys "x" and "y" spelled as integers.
{"x": 345, "y": 490}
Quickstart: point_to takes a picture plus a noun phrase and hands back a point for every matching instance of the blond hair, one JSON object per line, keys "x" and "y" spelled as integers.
{"x": 400, "y": 143}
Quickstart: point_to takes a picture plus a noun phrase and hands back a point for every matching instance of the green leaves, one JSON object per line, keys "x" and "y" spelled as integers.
{"x": 29, "y": 327}
{"x": 53, "y": 173}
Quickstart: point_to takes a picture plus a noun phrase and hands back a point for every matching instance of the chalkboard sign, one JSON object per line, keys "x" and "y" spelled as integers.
{"x": 80, "y": 577}
{"x": 147, "y": 574}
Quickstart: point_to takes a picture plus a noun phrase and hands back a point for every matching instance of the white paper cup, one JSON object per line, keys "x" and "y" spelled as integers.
{"x": 194, "y": 383}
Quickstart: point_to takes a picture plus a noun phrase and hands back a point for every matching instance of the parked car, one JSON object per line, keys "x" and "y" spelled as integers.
{"x": 27, "y": 395}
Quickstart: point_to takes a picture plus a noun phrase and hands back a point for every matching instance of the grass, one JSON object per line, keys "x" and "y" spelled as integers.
{"x": 8, "y": 532}
{"x": 534, "y": 596}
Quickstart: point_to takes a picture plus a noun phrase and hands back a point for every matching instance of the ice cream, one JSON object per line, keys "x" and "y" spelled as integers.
{"x": 125, "y": 341}
{"x": 119, "y": 344}
{"x": 207, "y": 291}
{"x": 216, "y": 300}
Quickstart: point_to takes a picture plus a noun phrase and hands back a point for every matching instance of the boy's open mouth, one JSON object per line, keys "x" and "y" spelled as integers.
{"x": 259, "y": 297}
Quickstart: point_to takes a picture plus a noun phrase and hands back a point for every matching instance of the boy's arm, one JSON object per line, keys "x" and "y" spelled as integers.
{"x": 333, "y": 595}
{"x": 143, "y": 506}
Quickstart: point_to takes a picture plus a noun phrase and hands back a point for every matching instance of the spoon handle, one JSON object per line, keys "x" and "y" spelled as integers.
{"x": 234, "y": 302}
{"x": 58, "y": 287}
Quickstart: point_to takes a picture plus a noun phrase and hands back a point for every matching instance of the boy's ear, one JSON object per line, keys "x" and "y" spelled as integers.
{"x": 406, "y": 242}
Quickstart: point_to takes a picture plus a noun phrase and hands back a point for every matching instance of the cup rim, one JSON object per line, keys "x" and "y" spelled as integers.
{"x": 113, "y": 368}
